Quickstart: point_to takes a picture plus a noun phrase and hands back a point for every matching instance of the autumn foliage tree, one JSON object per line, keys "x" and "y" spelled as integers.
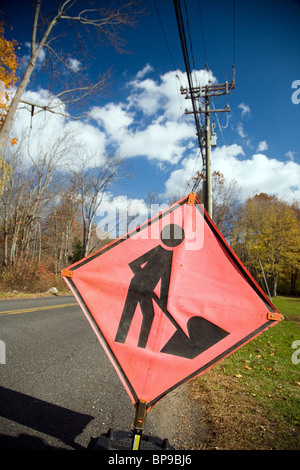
{"x": 39, "y": 222}
{"x": 8, "y": 66}
{"x": 267, "y": 234}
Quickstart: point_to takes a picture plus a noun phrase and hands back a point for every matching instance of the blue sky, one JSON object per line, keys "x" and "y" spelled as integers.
{"x": 142, "y": 118}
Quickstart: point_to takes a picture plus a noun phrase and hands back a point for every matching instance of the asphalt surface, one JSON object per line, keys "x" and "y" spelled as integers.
{"x": 58, "y": 389}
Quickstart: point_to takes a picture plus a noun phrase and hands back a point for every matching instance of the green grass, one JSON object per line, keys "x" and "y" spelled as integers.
{"x": 266, "y": 366}
{"x": 264, "y": 376}
{"x": 288, "y": 306}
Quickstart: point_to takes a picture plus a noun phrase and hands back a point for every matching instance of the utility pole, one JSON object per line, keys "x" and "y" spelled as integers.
{"x": 207, "y": 181}
{"x": 203, "y": 95}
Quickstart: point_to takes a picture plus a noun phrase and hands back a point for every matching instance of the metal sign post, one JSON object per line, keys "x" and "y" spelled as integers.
{"x": 139, "y": 424}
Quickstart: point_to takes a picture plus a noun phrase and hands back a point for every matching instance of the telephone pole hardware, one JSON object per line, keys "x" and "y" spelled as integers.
{"x": 204, "y": 94}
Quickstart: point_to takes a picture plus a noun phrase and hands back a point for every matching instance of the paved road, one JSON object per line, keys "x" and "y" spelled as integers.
{"x": 57, "y": 386}
{"x": 58, "y": 389}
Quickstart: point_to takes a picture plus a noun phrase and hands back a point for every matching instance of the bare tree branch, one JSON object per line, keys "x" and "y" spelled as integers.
{"x": 106, "y": 21}
{"x": 58, "y": 102}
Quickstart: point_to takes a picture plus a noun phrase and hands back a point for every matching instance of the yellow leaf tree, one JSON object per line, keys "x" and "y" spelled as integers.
{"x": 8, "y": 66}
{"x": 266, "y": 234}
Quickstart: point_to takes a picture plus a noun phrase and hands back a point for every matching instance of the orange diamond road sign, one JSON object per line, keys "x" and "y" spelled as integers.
{"x": 169, "y": 300}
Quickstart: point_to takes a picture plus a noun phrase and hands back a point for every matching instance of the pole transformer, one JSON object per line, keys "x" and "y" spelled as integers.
{"x": 203, "y": 96}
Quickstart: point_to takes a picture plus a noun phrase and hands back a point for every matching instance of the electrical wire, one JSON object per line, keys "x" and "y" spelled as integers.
{"x": 175, "y": 68}
{"x": 203, "y": 38}
{"x": 233, "y": 34}
{"x": 189, "y": 34}
{"x": 188, "y": 70}
{"x": 189, "y": 73}
{"x": 165, "y": 36}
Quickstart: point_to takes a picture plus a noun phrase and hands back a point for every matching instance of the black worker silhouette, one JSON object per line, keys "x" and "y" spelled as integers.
{"x": 148, "y": 270}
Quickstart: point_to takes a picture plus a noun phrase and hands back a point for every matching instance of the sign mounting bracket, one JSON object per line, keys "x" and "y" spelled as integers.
{"x": 139, "y": 424}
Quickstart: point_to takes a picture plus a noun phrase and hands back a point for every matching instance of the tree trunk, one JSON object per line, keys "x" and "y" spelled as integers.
{"x": 5, "y": 236}
{"x": 4, "y": 130}
{"x": 274, "y": 285}
{"x": 294, "y": 276}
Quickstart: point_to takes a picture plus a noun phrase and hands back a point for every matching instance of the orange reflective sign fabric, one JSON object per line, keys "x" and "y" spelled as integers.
{"x": 169, "y": 300}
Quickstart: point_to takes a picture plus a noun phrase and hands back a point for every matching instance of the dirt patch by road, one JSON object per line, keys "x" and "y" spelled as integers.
{"x": 178, "y": 418}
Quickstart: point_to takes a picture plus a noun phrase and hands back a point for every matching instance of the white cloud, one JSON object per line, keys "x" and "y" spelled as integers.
{"x": 274, "y": 177}
{"x": 146, "y": 96}
{"x": 290, "y": 155}
{"x": 151, "y": 123}
{"x": 240, "y": 130}
{"x": 179, "y": 181}
{"x": 148, "y": 68}
{"x": 118, "y": 215}
{"x": 122, "y": 204}
{"x": 90, "y": 142}
{"x": 114, "y": 118}
{"x": 259, "y": 173}
{"x": 253, "y": 175}
{"x": 151, "y": 96}
{"x": 74, "y": 64}
{"x": 245, "y": 109}
{"x": 262, "y": 146}
{"x": 45, "y": 129}
{"x": 40, "y": 58}
{"x": 159, "y": 141}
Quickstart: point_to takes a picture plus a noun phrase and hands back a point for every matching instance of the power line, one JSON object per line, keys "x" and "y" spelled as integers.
{"x": 189, "y": 33}
{"x": 233, "y": 35}
{"x": 203, "y": 38}
{"x": 188, "y": 71}
{"x": 209, "y": 93}
{"x": 165, "y": 36}
{"x": 175, "y": 68}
